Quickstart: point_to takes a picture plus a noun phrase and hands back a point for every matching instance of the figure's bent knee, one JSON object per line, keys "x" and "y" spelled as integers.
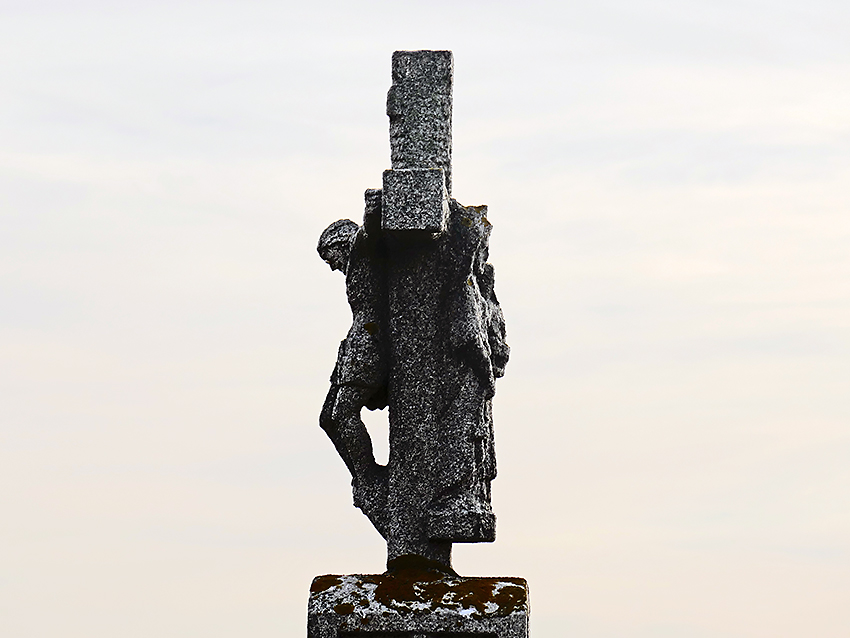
{"x": 326, "y": 417}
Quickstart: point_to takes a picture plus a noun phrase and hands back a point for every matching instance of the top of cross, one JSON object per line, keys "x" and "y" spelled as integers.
{"x": 419, "y": 105}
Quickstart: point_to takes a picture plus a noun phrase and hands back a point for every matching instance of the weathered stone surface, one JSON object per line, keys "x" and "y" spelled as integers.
{"x": 427, "y": 339}
{"x": 427, "y": 342}
{"x": 419, "y": 105}
{"x": 415, "y": 199}
{"x": 417, "y": 601}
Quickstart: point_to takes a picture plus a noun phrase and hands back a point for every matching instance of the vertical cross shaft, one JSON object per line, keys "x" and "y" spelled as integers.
{"x": 419, "y": 105}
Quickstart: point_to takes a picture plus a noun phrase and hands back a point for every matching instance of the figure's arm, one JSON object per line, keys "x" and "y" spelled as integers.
{"x": 499, "y": 349}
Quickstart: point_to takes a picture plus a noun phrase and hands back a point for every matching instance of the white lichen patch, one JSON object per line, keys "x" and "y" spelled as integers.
{"x": 388, "y": 594}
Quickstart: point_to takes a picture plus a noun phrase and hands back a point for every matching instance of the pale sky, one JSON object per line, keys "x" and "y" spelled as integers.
{"x": 668, "y": 183}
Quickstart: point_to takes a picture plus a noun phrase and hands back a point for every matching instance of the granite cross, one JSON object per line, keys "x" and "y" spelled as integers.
{"x": 427, "y": 338}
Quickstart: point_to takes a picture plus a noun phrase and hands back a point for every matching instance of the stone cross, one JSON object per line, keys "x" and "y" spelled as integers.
{"x": 427, "y": 339}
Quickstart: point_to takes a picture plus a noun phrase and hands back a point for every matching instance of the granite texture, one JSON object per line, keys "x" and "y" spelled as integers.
{"x": 419, "y": 105}
{"x": 415, "y": 199}
{"x": 427, "y": 339}
{"x": 417, "y": 602}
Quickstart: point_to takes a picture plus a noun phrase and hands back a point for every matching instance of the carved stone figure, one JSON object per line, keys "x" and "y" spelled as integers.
{"x": 427, "y": 343}
{"x": 427, "y": 338}
{"x": 360, "y": 376}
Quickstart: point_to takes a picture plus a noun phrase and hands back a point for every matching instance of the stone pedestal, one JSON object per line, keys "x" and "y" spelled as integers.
{"x": 417, "y": 604}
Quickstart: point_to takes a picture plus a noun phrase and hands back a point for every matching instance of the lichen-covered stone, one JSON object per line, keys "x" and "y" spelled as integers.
{"x": 417, "y": 601}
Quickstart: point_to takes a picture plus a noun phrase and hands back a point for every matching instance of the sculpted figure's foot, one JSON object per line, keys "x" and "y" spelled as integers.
{"x": 370, "y": 496}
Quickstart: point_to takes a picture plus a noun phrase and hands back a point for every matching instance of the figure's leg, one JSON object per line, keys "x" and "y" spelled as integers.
{"x": 340, "y": 419}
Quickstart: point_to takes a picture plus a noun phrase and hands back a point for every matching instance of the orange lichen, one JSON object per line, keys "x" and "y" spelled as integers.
{"x": 413, "y": 583}
{"x": 344, "y": 608}
{"x": 477, "y": 592}
{"x": 321, "y": 583}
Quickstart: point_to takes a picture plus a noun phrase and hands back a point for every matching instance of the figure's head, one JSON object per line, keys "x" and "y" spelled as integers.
{"x": 335, "y": 243}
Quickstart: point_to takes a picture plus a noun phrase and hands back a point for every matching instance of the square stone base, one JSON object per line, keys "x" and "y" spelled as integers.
{"x": 417, "y": 604}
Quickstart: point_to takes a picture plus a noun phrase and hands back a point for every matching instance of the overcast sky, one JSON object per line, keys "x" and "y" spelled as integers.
{"x": 668, "y": 183}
